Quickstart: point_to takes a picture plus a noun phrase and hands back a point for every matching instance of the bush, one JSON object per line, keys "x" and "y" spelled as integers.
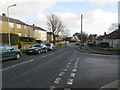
{"x": 14, "y": 38}
{"x": 27, "y": 39}
{"x": 104, "y": 45}
{"x": 39, "y": 41}
{"x": 91, "y": 44}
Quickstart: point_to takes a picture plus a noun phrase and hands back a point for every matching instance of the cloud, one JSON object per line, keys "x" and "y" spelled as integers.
{"x": 95, "y": 22}
{"x": 32, "y": 11}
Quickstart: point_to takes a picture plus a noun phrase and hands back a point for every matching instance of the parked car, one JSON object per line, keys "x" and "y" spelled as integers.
{"x": 37, "y": 49}
{"x": 50, "y": 46}
{"x": 8, "y": 52}
{"x": 78, "y": 43}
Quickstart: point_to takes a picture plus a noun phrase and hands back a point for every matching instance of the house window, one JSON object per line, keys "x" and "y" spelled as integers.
{"x": 19, "y": 34}
{"x": 18, "y": 26}
{"x": 25, "y": 27}
{"x": 0, "y": 23}
{"x": 11, "y": 24}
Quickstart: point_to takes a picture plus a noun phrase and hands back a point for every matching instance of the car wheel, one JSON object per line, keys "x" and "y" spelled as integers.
{"x": 39, "y": 52}
{"x": 45, "y": 50}
{"x": 17, "y": 56}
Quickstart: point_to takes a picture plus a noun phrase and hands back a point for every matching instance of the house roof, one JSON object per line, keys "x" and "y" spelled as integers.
{"x": 4, "y": 18}
{"x": 113, "y": 35}
{"x": 36, "y": 27}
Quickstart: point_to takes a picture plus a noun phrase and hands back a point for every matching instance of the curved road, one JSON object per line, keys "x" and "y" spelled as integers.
{"x": 62, "y": 68}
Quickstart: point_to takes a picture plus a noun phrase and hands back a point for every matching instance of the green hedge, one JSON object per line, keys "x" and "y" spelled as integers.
{"x": 27, "y": 39}
{"x": 14, "y": 38}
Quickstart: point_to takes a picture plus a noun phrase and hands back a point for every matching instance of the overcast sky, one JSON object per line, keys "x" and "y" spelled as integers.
{"x": 98, "y": 14}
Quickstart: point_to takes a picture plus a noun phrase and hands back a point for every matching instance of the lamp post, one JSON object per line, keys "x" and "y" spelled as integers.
{"x": 8, "y": 21}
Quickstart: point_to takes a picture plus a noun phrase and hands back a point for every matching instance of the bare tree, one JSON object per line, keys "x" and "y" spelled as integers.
{"x": 65, "y": 34}
{"x": 83, "y": 36}
{"x": 55, "y": 25}
{"x": 113, "y": 27}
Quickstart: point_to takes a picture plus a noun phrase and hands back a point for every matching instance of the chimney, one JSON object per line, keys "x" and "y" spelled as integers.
{"x": 105, "y": 33}
{"x": 4, "y": 15}
{"x": 33, "y": 24}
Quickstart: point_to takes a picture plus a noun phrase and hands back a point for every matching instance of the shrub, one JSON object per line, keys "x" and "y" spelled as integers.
{"x": 27, "y": 39}
{"x": 91, "y": 44}
{"x": 14, "y": 38}
{"x": 104, "y": 45}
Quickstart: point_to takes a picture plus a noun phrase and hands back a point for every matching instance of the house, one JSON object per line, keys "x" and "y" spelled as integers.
{"x": 15, "y": 26}
{"x": 113, "y": 39}
{"x": 49, "y": 36}
{"x": 92, "y": 37}
{"x": 37, "y": 32}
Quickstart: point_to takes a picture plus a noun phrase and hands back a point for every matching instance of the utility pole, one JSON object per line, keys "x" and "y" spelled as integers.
{"x": 119, "y": 15}
{"x": 8, "y": 21}
{"x": 81, "y": 28}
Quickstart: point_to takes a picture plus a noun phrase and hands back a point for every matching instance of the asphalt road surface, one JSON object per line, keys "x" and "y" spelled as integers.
{"x": 62, "y": 68}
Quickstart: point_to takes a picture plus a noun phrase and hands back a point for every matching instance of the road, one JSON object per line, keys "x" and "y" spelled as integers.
{"x": 62, "y": 68}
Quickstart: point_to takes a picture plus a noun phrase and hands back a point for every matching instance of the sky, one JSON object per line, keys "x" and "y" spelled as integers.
{"x": 98, "y": 15}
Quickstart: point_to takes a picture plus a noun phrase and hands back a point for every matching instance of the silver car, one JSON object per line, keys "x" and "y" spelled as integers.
{"x": 50, "y": 46}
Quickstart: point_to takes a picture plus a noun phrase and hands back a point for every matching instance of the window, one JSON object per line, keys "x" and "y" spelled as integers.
{"x": 11, "y": 24}
{"x": 0, "y": 23}
{"x": 18, "y": 26}
{"x": 8, "y": 46}
{"x": 25, "y": 27}
{"x": 19, "y": 34}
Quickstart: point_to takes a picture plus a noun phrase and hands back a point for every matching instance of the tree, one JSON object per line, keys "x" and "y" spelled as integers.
{"x": 83, "y": 37}
{"x": 55, "y": 25}
{"x": 113, "y": 27}
{"x": 65, "y": 34}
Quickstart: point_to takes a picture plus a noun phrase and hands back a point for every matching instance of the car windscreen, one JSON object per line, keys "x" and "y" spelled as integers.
{"x": 48, "y": 44}
{"x": 36, "y": 46}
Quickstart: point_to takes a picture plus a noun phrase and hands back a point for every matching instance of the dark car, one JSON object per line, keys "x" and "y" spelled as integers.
{"x": 37, "y": 49}
{"x": 50, "y": 46}
{"x": 8, "y": 52}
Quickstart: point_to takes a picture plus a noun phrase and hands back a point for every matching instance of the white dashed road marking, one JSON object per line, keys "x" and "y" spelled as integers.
{"x": 65, "y": 70}
{"x": 70, "y": 81}
{"x": 61, "y": 74}
{"x": 52, "y": 87}
{"x": 74, "y": 70}
{"x": 72, "y": 75}
{"x": 57, "y": 80}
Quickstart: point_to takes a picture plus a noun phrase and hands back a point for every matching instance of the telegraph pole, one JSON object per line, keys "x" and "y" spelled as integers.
{"x": 81, "y": 28}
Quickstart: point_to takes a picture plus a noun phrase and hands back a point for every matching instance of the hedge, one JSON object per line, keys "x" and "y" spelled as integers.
{"x": 14, "y": 38}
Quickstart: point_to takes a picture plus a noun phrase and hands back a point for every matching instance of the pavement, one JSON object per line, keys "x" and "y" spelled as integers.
{"x": 64, "y": 67}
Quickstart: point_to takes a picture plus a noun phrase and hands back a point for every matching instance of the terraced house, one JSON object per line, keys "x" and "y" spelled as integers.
{"x": 15, "y": 26}
{"x": 37, "y": 32}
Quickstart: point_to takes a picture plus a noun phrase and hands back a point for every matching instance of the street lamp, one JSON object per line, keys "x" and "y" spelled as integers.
{"x": 8, "y": 21}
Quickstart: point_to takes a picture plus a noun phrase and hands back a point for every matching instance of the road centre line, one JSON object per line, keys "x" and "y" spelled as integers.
{"x": 17, "y": 65}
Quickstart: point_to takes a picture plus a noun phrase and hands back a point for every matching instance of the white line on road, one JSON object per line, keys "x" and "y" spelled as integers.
{"x": 61, "y": 74}
{"x": 52, "y": 87}
{"x": 65, "y": 70}
{"x": 72, "y": 75}
{"x": 17, "y": 65}
{"x": 70, "y": 81}
{"x": 74, "y": 70}
{"x": 57, "y": 80}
